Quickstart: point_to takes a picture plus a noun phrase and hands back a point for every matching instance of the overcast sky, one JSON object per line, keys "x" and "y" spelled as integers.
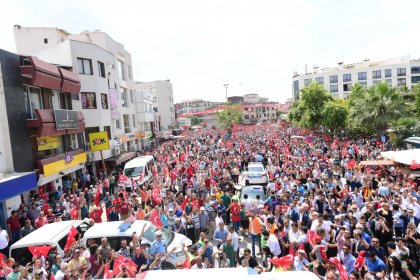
{"x": 254, "y": 46}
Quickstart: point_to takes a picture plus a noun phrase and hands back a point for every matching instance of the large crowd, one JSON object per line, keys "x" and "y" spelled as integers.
{"x": 323, "y": 211}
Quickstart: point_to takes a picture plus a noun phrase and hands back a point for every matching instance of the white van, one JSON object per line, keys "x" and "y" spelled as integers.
{"x": 140, "y": 169}
{"x": 54, "y": 234}
{"x": 111, "y": 230}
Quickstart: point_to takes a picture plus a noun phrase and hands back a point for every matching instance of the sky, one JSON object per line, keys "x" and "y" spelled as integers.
{"x": 254, "y": 46}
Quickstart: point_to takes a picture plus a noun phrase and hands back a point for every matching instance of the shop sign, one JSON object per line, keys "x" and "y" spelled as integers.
{"x": 61, "y": 165}
{"x": 48, "y": 142}
{"x": 99, "y": 141}
{"x": 66, "y": 119}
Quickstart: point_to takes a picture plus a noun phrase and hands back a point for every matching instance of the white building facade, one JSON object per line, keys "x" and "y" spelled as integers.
{"x": 145, "y": 113}
{"x": 107, "y": 96}
{"x": 196, "y": 105}
{"x": 163, "y": 103}
{"x": 339, "y": 81}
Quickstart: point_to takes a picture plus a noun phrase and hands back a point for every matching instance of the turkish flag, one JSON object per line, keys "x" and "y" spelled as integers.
{"x": 71, "y": 238}
{"x": 184, "y": 203}
{"x": 156, "y": 193}
{"x": 122, "y": 262}
{"x": 155, "y": 219}
{"x": 284, "y": 262}
{"x": 360, "y": 260}
{"x": 38, "y": 251}
{"x": 108, "y": 274}
{"x": 351, "y": 164}
{"x": 98, "y": 195}
{"x": 323, "y": 252}
{"x": 187, "y": 264}
{"x": 73, "y": 213}
{"x": 414, "y": 165}
{"x": 122, "y": 178}
{"x": 339, "y": 265}
{"x": 291, "y": 250}
{"x": 2, "y": 262}
{"x": 312, "y": 237}
{"x": 96, "y": 215}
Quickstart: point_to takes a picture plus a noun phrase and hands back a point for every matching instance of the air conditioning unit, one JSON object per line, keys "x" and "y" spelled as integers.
{"x": 117, "y": 151}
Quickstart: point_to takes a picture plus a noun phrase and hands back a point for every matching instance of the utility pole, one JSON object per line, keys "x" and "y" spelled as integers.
{"x": 226, "y": 88}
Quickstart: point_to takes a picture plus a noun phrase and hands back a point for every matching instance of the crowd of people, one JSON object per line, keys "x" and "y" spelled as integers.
{"x": 322, "y": 211}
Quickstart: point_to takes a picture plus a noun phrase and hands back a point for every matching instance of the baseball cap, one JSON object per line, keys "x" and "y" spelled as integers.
{"x": 158, "y": 233}
{"x": 76, "y": 251}
{"x": 201, "y": 208}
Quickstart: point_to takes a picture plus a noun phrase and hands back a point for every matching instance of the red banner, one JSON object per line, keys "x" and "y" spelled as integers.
{"x": 38, "y": 251}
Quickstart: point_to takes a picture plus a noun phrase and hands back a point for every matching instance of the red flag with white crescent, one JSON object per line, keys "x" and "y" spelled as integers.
{"x": 323, "y": 252}
{"x": 358, "y": 263}
{"x": 38, "y": 251}
{"x": 339, "y": 265}
{"x": 122, "y": 262}
{"x": 73, "y": 213}
{"x": 155, "y": 219}
{"x": 283, "y": 262}
{"x": 414, "y": 165}
{"x": 71, "y": 238}
{"x": 108, "y": 274}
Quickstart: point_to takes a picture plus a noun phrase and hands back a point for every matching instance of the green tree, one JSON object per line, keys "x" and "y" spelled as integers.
{"x": 307, "y": 111}
{"x": 416, "y": 93}
{"x": 195, "y": 120}
{"x": 334, "y": 115}
{"x": 404, "y": 128}
{"x": 377, "y": 108}
{"x": 232, "y": 114}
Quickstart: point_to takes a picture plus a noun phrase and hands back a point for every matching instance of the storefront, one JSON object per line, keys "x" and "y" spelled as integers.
{"x": 11, "y": 186}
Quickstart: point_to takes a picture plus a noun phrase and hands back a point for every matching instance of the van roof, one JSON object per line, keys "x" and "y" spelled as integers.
{"x": 138, "y": 161}
{"x": 110, "y": 229}
{"x": 47, "y": 234}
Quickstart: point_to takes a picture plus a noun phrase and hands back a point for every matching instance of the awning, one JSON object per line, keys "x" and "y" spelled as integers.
{"x": 121, "y": 158}
{"x": 42, "y": 74}
{"x": 377, "y": 162}
{"x": 70, "y": 81}
{"x": 404, "y": 157}
{"x": 44, "y": 180}
{"x": 13, "y": 184}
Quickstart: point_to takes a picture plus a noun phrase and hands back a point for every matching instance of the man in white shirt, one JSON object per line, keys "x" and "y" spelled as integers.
{"x": 320, "y": 223}
{"x": 300, "y": 263}
{"x": 4, "y": 241}
{"x": 235, "y": 238}
{"x": 273, "y": 242}
{"x": 59, "y": 275}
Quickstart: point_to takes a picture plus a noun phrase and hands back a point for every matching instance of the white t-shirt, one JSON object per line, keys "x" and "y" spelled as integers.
{"x": 273, "y": 244}
{"x": 3, "y": 239}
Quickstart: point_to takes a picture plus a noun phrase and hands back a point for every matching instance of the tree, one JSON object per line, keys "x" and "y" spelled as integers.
{"x": 307, "y": 111}
{"x": 416, "y": 92}
{"x": 377, "y": 108}
{"x": 232, "y": 114}
{"x": 195, "y": 120}
{"x": 334, "y": 115}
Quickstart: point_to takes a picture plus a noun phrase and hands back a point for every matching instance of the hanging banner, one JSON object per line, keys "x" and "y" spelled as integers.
{"x": 48, "y": 143}
{"x": 99, "y": 141}
{"x": 113, "y": 100}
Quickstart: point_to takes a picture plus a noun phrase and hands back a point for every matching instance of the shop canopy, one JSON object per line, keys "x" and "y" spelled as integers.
{"x": 376, "y": 162}
{"x": 405, "y": 157}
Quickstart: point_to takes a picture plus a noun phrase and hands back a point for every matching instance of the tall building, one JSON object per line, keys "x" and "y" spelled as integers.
{"x": 163, "y": 103}
{"x": 42, "y": 127}
{"x": 107, "y": 97}
{"x": 340, "y": 80}
{"x": 145, "y": 113}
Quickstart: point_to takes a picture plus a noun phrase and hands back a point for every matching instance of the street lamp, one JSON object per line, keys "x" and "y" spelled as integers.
{"x": 226, "y": 88}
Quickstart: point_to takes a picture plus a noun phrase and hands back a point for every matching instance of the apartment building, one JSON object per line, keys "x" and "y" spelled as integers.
{"x": 107, "y": 95}
{"x": 339, "y": 80}
{"x": 196, "y": 105}
{"x": 145, "y": 113}
{"x": 163, "y": 103}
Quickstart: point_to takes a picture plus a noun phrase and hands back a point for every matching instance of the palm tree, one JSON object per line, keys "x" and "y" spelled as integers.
{"x": 378, "y": 107}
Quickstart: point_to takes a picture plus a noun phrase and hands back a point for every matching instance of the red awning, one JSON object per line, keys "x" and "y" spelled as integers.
{"x": 70, "y": 81}
{"x": 42, "y": 74}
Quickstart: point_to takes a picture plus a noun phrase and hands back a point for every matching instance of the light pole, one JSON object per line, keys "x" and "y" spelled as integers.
{"x": 226, "y": 88}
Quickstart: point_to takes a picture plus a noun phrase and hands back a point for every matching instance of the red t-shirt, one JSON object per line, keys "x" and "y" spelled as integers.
{"x": 14, "y": 223}
{"x": 125, "y": 208}
{"x": 235, "y": 210}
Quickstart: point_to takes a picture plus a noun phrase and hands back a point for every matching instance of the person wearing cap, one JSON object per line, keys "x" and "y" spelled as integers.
{"x": 77, "y": 264}
{"x": 158, "y": 246}
{"x": 300, "y": 262}
{"x": 170, "y": 216}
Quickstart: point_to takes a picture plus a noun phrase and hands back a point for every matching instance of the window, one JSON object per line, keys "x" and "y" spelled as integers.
{"x": 155, "y": 109}
{"x": 123, "y": 93}
{"x": 363, "y": 84}
{"x": 126, "y": 121}
{"x": 401, "y": 72}
{"x": 104, "y": 101}
{"x": 347, "y": 87}
{"x": 154, "y": 99}
{"x": 108, "y": 130}
{"x": 307, "y": 81}
{"x": 45, "y": 40}
{"x": 333, "y": 88}
{"x": 388, "y": 73}
{"x": 319, "y": 80}
{"x": 415, "y": 70}
{"x": 401, "y": 82}
{"x": 362, "y": 76}
{"x": 134, "y": 120}
{"x": 34, "y": 102}
{"x": 121, "y": 73}
{"x": 84, "y": 66}
{"x": 131, "y": 96}
{"x": 130, "y": 72}
{"x": 333, "y": 79}
{"x": 346, "y": 77}
{"x": 376, "y": 74}
{"x": 101, "y": 69}
{"x": 88, "y": 100}
{"x": 65, "y": 100}
{"x": 389, "y": 82}
{"x": 415, "y": 79}
{"x": 375, "y": 82}
{"x": 118, "y": 124}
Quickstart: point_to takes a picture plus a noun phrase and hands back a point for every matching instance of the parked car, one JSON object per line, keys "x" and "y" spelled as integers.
{"x": 112, "y": 231}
